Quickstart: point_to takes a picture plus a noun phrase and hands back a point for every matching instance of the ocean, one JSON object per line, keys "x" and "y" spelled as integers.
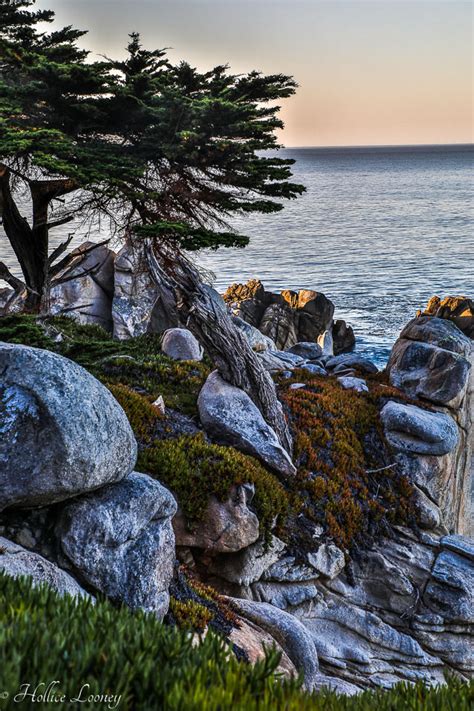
{"x": 379, "y": 231}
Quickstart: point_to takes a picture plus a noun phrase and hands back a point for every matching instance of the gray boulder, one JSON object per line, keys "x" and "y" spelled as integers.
{"x": 280, "y": 360}
{"x": 62, "y": 432}
{"x": 351, "y": 383}
{"x": 229, "y": 415}
{"x": 326, "y": 342}
{"x": 308, "y": 351}
{"x": 410, "y": 429}
{"x": 121, "y": 541}
{"x": 180, "y": 344}
{"x": 343, "y": 337}
{"x": 257, "y": 340}
{"x": 351, "y": 360}
{"x": 248, "y": 565}
{"x": 226, "y": 526}
{"x": 17, "y": 562}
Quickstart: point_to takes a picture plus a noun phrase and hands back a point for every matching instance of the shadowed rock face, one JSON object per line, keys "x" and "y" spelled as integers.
{"x": 121, "y": 541}
{"x": 62, "y": 432}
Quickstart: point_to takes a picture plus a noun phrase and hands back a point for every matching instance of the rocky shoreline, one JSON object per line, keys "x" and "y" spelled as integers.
{"x": 351, "y": 554}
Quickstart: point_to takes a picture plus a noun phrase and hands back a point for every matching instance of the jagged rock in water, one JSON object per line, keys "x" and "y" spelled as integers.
{"x": 225, "y": 527}
{"x": 230, "y": 417}
{"x": 180, "y": 344}
{"x": 279, "y": 322}
{"x": 62, "y": 432}
{"x": 290, "y": 317}
{"x": 17, "y": 561}
{"x": 140, "y": 305}
{"x": 88, "y": 287}
{"x": 343, "y": 337}
{"x": 410, "y": 429}
{"x": 248, "y": 301}
{"x": 459, "y": 309}
{"x": 121, "y": 541}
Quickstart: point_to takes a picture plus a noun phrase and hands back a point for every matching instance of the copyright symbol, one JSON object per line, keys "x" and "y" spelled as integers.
{"x": 4, "y": 695}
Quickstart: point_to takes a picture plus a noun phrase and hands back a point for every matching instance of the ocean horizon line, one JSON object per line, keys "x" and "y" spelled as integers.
{"x": 383, "y": 146}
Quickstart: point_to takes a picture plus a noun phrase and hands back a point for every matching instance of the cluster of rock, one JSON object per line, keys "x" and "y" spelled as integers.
{"x": 118, "y": 292}
{"x": 67, "y": 454}
{"x": 290, "y": 317}
{"x": 75, "y": 514}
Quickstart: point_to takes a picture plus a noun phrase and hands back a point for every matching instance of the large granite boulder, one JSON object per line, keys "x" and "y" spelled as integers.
{"x": 430, "y": 360}
{"x": 140, "y": 304}
{"x": 86, "y": 287}
{"x": 16, "y": 562}
{"x": 181, "y": 344}
{"x": 225, "y": 527}
{"x": 121, "y": 541}
{"x": 410, "y": 429}
{"x": 230, "y": 417}
{"x": 62, "y": 432}
{"x": 248, "y": 301}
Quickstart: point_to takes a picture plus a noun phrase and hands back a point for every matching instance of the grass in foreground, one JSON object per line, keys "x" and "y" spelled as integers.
{"x": 151, "y": 666}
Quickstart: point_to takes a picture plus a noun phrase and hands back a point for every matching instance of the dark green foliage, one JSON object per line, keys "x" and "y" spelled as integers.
{"x": 195, "y": 470}
{"x": 155, "y": 147}
{"x": 44, "y": 637}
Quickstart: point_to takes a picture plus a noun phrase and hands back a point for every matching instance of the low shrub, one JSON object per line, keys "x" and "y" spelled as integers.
{"x": 96, "y": 650}
{"x": 346, "y": 480}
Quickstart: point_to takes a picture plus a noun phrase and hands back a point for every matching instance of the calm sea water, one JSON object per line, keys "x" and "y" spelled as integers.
{"x": 379, "y": 231}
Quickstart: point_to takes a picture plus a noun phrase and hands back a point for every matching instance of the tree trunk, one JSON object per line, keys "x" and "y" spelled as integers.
{"x": 208, "y": 319}
{"x": 30, "y": 243}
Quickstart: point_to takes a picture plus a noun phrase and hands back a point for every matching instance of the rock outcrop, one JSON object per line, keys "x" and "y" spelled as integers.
{"x": 226, "y": 526}
{"x": 290, "y": 317}
{"x": 62, "y": 432}
{"x": 433, "y": 360}
{"x": 121, "y": 541}
{"x": 459, "y": 309}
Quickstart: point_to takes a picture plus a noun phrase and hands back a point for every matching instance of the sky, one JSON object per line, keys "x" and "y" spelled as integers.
{"x": 370, "y": 72}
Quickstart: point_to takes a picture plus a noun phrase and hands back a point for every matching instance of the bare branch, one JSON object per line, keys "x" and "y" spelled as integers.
{"x": 10, "y": 278}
